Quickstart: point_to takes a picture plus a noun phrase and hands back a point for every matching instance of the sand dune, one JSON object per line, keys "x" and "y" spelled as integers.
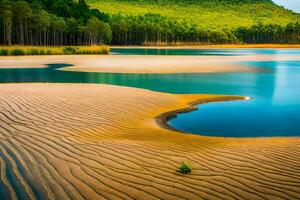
{"x": 72, "y": 141}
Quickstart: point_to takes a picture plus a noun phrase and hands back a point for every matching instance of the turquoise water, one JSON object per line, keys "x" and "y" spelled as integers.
{"x": 274, "y": 110}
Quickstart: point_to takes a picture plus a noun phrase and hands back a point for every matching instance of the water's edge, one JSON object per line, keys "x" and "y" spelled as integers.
{"x": 163, "y": 119}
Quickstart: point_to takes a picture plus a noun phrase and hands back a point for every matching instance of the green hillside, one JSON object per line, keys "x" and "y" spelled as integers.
{"x": 208, "y": 14}
{"x": 149, "y": 22}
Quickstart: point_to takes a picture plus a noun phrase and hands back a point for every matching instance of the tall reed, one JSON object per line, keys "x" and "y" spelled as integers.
{"x": 50, "y": 50}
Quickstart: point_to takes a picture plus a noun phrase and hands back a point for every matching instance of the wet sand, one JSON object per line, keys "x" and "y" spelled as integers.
{"x": 84, "y": 141}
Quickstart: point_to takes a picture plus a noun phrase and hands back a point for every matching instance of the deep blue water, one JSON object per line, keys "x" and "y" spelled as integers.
{"x": 273, "y": 111}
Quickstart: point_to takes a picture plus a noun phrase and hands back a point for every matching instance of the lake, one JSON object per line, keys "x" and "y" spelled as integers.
{"x": 274, "y": 109}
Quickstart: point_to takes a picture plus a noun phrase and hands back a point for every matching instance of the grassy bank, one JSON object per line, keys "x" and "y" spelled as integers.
{"x": 51, "y": 50}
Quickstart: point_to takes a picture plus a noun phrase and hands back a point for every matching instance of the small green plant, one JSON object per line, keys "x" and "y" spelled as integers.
{"x": 185, "y": 168}
{"x": 4, "y": 52}
{"x": 17, "y": 52}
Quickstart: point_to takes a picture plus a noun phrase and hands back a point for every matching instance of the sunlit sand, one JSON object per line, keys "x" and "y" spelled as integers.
{"x": 99, "y": 141}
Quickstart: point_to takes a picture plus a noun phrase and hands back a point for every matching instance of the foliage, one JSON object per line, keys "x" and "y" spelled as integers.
{"x": 45, "y": 22}
{"x": 207, "y": 14}
{"x": 48, "y": 50}
{"x": 4, "y": 52}
{"x": 157, "y": 29}
{"x": 193, "y": 21}
{"x": 135, "y": 22}
{"x": 17, "y": 52}
{"x": 271, "y": 33}
{"x": 185, "y": 168}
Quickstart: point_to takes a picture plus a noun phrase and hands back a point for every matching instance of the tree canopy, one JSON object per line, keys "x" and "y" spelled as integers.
{"x": 48, "y": 22}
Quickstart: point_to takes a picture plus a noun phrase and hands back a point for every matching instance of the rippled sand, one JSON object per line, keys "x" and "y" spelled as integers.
{"x": 72, "y": 141}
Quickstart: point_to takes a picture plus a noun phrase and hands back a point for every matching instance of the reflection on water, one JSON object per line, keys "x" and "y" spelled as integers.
{"x": 274, "y": 111}
{"x": 203, "y": 52}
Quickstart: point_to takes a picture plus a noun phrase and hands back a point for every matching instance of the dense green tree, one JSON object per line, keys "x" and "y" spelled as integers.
{"x": 49, "y": 22}
{"x": 156, "y": 29}
{"x": 22, "y": 12}
{"x": 97, "y": 31}
{"x": 6, "y": 15}
{"x": 270, "y": 33}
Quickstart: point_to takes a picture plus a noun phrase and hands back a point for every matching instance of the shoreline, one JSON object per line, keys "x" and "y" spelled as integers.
{"x": 162, "y": 119}
{"x": 212, "y": 46}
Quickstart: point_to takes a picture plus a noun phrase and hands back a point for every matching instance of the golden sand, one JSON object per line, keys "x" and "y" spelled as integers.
{"x": 72, "y": 141}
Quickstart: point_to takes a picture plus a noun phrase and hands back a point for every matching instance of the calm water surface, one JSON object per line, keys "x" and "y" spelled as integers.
{"x": 203, "y": 52}
{"x": 274, "y": 110}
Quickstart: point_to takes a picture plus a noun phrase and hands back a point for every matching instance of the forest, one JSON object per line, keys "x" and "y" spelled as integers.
{"x": 68, "y": 22}
{"x": 48, "y": 22}
{"x": 156, "y": 29}
{"x": 208, "y": 14}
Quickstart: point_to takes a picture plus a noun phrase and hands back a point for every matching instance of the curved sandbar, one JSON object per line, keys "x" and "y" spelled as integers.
{"x": 163, "y": 118}
{"x": 61, "y": 141}
{"x": 142, "y": 64}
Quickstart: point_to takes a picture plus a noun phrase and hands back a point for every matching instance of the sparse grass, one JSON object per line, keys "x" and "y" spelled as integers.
{"x": 51, "y": 50}
{"x": 185, "y": 168}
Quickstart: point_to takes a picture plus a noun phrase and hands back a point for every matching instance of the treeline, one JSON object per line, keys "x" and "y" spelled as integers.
{"x": 48, "y": 22}
{"x": 272, "y": 33}
{"x": 69, "y": 22}
{"x": 156, "y": 29}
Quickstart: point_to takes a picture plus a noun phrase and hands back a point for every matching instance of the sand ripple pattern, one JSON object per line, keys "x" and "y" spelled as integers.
{"x": 72, "y": 141}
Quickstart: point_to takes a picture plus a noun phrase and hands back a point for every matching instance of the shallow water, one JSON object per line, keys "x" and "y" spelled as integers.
{"x": 274, "y": 110}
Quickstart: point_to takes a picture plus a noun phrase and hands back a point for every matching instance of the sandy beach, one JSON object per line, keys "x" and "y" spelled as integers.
{"x": 84, "y": 141}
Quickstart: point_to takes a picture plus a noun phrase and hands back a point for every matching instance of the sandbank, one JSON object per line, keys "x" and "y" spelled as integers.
{"x": 143, "y": 64}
